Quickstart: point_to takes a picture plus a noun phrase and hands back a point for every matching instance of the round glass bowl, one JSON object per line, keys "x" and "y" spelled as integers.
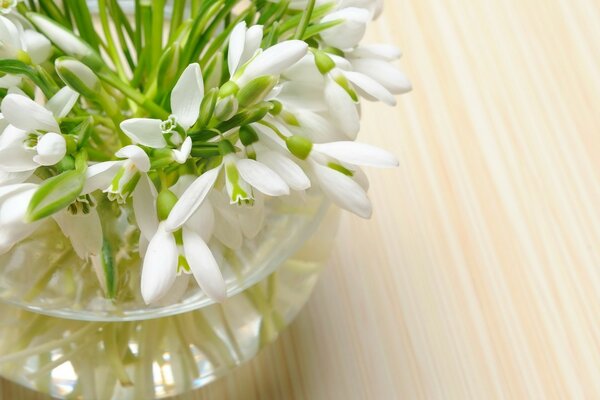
{"x": 65, "y": 339}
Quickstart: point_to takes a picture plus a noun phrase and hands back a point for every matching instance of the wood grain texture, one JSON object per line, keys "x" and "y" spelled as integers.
{"x": 479, "y": 275}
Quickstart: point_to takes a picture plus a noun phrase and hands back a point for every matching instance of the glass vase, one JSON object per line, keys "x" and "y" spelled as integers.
{"x": 61, "y": 335}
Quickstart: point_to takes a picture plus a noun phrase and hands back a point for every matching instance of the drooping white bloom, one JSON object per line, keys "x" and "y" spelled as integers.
{"x": 186, "y": 98}
{"x": 83, "y": 230}
{"x": 273, "y": 61}
{"x": 375, "y": 62}
{"x": 243, "y": 44}
{"x": 241, "y": 175}
{"x": 33, "y": 137}
{"x": 15, "y": 42}
{"x": 163, "y": 259}
{"x": 350, "y": 31}
{"x": 118, "y": 178}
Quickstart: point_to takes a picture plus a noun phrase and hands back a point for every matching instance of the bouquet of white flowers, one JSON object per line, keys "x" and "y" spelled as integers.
{"x": 192, "y": 113}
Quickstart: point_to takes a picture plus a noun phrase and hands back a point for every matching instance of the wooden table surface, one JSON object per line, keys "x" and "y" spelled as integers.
{"x": 479, "y": 275}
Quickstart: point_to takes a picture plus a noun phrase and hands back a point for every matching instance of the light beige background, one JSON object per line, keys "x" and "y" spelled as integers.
{"x": 479, "y": 275}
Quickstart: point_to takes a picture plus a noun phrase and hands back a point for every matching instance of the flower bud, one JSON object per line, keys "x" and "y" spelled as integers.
{"x": 65, "y": 40}
{"x": 256, "y": 90}
{"x": 78, "y": 76}
{"x": 226, "y": 108}
{"x": 55, "y": 194}
{"x": 51, "y": 148}
{"x": 168, "y": 68}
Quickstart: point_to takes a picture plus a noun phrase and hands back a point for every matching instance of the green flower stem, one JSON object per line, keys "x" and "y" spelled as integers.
{"x": 306, "y": 17}
{"x": 176, "y": 18}
{"x": 111, "y": 48}
{"x": 158, "y": 16}
{"x": 154, "y": 109}
{"x": 42, "y": 282}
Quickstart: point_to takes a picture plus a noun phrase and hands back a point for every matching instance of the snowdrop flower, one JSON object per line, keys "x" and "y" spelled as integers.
{"x": 334, "y": 166}
{"x": 26, "y": 45}
{"x": 6, "y": 6}
{"x": 186, "y": 98}
{"x": 33, "y": 137}
{"x": 14, "y": 200}
{"x": 171, "y": 252}
{"x": 372, "y": 65}
{"x": 83, "y": 229}
{"x": 375, "y": 7}
{"x": 118, "y": 179}
{"x": 243, "y": 44}
{"x": 350, "y": 31}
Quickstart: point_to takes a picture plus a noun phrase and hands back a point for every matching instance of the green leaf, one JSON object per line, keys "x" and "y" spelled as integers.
{"x": 56, "y": 193}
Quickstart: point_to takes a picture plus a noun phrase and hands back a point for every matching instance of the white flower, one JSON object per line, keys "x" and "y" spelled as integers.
{"x": 14, "y": 200}
{"x": 243, "y": 44}
{"x": 350, "y": 31}
{"x": 241, "y": 175}
{"x": 375, "y": 63}
{"x": 6, "y": 6}
{"x": 33, "y": 137}
{"x": 118, "y": 179}
{"x": 164, "y": 255}
{"x": 186, "y": 98}
{"x": 334, "y": 166}
{"x": 83, "y": 229}
{"x": 15, "y": 42}
{"x": 273, "y": 61}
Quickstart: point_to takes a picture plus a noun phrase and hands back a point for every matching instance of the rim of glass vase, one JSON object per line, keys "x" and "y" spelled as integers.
{"x": 287, "y": 248}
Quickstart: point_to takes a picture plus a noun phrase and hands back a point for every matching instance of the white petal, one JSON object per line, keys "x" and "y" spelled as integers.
{"x": 27, "y": 115}
{"x": 62, "y": 102}
{"x": 37, "y": 46}
{"x": 13, "y": 207}
{"x": 370, "y": 89}
{"x": 302, "y": 95}
{"x": 227, "y": 228}
{"x": 254, "y": 36}
{"x": 237, "y": 41}
{"x": 191, "y": 199}
{"x": 9, "y": 37}
{"x": 17, "y": 159}
{"x": 182, "y": 155}
{"x": 343, "y": 191}
{"x": 384, "y": 73}
{"x": 275, "y": 60}
{"x": 51, "y": 148}
{"x": 203, "y": 221}
{"x": 160, "y": 266}
{"x": 99, "y": 176}
{"x": 145, "y": 131}
{"x": 350, "y": 32}
{"x": 342, "y": 109}
{"x": 319, "y": 128}
{"x": 252, "y": 218}
{"x": 9, "y": 178}
{"x": 204, "y": 266}
{"x": 262, "y": 178}
{"x": 305, "y": 71}
{"x": 83, "y": 230}
{"x": 361, "y": 178}
{"x": 288, "y": 170}
{"x": 9, "y": 81}
{"x": 357, "y": 154}
{"x": 138, "y": 157}
{"x": 187, "y": 96}
{"x": 144, "y": 207}
{"x": 380, "y": 51}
